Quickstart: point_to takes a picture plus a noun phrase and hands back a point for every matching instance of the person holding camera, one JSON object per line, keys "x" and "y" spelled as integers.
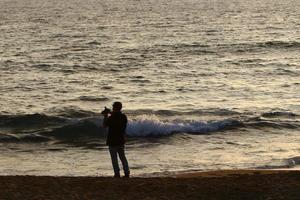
{"x": 116, "y": 122}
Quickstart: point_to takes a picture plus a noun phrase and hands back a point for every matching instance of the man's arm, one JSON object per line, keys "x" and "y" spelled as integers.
{"x": 105, "y": 122}
{"x": 125, "y": 122}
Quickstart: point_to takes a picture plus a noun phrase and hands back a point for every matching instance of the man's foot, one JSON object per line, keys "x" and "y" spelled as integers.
{"x": 117, "y": 176}
{"x": 126, "y": 176}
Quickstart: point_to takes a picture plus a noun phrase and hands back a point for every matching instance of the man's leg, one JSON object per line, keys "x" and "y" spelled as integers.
{"x": 121, "y": 152}
{"x": 114, "y": 160}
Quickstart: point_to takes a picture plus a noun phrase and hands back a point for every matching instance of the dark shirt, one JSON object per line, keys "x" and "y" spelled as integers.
{"x": 116, "y": 124}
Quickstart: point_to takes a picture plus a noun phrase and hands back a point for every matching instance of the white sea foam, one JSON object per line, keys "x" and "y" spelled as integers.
{"x": 152, "y": 126}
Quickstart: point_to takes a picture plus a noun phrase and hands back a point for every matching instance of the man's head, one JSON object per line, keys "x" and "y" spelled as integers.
{"x": 117, "y": 106}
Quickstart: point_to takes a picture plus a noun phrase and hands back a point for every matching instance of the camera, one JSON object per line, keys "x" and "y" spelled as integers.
{"x": 106, "y": 111}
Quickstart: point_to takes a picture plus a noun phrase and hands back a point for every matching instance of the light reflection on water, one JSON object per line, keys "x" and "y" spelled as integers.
{"x": 226, "y": 150}
{"x": 164, "y": 55}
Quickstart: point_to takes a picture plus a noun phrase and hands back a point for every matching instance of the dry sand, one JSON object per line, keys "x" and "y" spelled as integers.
{"x": 226, "y": 184}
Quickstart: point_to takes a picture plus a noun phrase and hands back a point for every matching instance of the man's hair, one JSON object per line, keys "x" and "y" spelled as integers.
{"x": 117, "y": 105}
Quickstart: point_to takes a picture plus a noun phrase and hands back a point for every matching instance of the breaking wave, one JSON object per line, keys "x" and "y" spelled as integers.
{"x": 82, "y": 125}
{"x": 90, "y": 128}
{"x": 154, "y": 127}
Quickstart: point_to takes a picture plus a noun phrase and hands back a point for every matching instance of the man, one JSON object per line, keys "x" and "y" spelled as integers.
{"x": 116, "y": 123}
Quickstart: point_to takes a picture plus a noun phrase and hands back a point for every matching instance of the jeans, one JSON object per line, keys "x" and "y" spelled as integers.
{"x": 114, "y": 151}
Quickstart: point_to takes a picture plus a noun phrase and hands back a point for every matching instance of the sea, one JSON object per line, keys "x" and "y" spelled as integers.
{"x": 205, "y": 84}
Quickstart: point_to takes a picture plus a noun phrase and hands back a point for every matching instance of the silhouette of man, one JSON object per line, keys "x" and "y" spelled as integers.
{"x": 116, "y": 123}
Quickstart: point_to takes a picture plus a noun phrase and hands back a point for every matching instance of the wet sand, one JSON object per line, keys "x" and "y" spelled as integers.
{"x": 225, "y": 184}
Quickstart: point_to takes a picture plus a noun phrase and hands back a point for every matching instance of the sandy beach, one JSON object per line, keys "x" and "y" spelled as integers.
{"x": 226, "y": 184}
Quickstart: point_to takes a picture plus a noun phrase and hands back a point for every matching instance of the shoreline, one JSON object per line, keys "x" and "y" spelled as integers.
{"x": 221, "y": 184}
{"x": 215, "y": 173}
{"x": 232, "y": 172}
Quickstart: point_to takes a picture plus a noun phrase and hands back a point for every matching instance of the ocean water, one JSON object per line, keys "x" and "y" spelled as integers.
{"x": 206, "y": 84}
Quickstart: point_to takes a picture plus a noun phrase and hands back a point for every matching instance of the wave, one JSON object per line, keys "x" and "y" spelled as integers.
{"x": 73, "y": 124}
{"x": 58, "y": 116}
{"x": 194, "y": 112}
{"x": 24, "y": 138}
{"x": 155, "y": 127}
{"x": 72, "y": 112}
{"x": 93, "y": 98}
{"x": 83, "y": 129}
{"x": 279, "y": 114}
{"x": 29, "y": 120}
{"x": 198, "y": 48}
{"x": 257, "y": 46}
{"x": 90, "y": 128}
{"x": 280, "y": 44}
{"x": 287, "y": 163}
